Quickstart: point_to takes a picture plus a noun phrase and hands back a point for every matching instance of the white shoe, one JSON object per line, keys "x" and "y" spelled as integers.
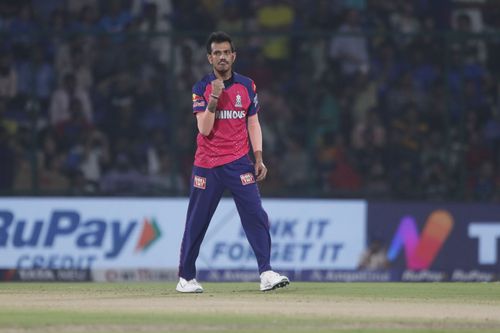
{"x": 270, "y": 280}
{"x": 191, "y": 286}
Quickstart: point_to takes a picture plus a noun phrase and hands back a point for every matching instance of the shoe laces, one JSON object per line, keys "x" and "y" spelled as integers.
{"x": 270, "y": 275}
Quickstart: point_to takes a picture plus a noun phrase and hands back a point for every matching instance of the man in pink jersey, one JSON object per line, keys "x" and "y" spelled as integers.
{"x": 226, "y": 108}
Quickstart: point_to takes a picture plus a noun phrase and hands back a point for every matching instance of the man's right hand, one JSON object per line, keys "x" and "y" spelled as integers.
{"x": 217, "y": 87}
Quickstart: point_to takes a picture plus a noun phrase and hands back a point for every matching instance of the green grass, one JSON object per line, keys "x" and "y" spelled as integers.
{"x": 240, "y": 307}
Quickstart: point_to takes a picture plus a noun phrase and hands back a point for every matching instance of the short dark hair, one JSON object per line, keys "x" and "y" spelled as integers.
{"x": 218, "y": 37}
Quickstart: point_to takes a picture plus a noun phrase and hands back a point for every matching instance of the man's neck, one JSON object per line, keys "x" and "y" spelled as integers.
{"x": 223, "y": 76}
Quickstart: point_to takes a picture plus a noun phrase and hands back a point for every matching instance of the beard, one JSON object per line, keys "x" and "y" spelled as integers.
{"x": 223, "y": 67}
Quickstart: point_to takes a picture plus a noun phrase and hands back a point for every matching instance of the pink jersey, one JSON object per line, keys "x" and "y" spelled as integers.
{"x": 228, "y": 139}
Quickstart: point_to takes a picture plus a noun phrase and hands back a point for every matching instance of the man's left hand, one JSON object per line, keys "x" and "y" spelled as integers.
{"x": 260, "y": 170}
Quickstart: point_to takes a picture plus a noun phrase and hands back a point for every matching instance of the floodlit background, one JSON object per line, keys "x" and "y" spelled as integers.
{"x": 360, "y": 99}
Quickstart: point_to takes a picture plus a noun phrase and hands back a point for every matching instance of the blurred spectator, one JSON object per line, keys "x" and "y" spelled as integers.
{"x": 376, "y": 183}
{"x": 409, "y": 129}
{"x": 95, "y": 159}
{"x": 324, "y": 15}
{"x": 51, "y": 178}
{"x": 115, "y": 19}
{"x": 477, "y": 152}
{"x": 8, "y": 77}
{"x": 433, "y": 149}
{"x": 191, "y": 64}
{"x": 188, "y": 11}
{"x": 85, "y": 28}
{"x": 36, "y": 76}
{"x": 295, "y": 166}
{"x": 152, "y": 22}
{"x": 277, "y": 119}
{"x": 344, "y": 178}
{"x": 368, "y": 131}
{"x": 471, "y": 49}
{"x": 425, "y": 72}
{"x": 85, "y": 21}
{"x": 232, "y": 19}
{"x": 73, "y": 130}
{"x": 44, "y": 9}
{"x": 329, "y": 112}
{"x": 374, "y": 257}
{"x": 386, "y": 68}
{"x": 405, "y": 179}
{"x": 24, "y": 26}
{"x": 434, "y": 180}
{"x": 61, "y": 98}
{"x": 366, "y": 97}
{"x": 405, "y": 21}
{"x": 491, "y": 131}
{"x": 76, "y": 6}
{"x": 405, "y": 94}
{"x": 349, "y": 47}
{"x": 123, "y": 178}
{"x": 76, "y": 60}
{"x": 7, "y": 156}
{"x": 166, "y": 180}
{"x": 482, "y": 182}
{"x": 355, "y": 4}
{"x": 163, "y": 8}
{"x": 275, "y": 16}
{"x": 325, "y": 159}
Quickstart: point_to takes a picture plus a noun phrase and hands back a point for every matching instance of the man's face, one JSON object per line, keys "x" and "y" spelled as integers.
{"x": 222, "y": 58}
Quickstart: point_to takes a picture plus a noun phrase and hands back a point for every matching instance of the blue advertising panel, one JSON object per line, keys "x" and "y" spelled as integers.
{"x": 306, "y": 234}
{"x": 90, "y": 233}
{"x": 438, "y": 242}
{"x": 134, "y": 239}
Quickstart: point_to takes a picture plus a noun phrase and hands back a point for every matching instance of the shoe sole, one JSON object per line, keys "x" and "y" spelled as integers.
{"x": 190, "y": 292}
{"x": 280, "y": 284}
{"x": 197, "y": 291}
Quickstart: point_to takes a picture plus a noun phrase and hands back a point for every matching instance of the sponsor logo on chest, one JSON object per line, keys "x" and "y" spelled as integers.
{"x": 230, "y": 114}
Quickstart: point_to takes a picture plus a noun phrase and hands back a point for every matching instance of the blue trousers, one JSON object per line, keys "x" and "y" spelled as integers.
{"x": 207, "y": 187}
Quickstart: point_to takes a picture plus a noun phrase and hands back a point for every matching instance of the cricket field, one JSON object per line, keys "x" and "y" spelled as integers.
{"x": 240, "y": 307}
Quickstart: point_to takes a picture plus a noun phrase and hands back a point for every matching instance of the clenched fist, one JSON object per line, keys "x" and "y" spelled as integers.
{"x": 217, "y": 87}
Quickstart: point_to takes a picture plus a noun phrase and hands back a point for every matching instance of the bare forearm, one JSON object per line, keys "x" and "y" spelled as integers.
{"x": 255, "y": 134}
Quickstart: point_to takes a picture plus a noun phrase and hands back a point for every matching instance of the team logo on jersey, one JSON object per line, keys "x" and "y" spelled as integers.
{"x": 200, "y": 182}
{"x": 238, "y": 102}
{"x": 247, "y": 178}
{"x": 198, "y": 101}
{"x": 256, "y": 101}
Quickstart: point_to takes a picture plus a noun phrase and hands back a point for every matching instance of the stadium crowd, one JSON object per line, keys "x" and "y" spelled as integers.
{"x": 389, "y": 99}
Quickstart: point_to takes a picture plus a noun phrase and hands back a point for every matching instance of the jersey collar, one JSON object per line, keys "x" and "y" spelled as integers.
{"x": 227, "y": 83}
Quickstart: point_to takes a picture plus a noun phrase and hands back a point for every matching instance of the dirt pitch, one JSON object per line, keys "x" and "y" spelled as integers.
{"x": 302, "y": 307}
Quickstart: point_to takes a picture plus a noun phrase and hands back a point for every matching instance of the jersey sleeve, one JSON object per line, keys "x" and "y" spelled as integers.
{"x": 254, "y": 105}
{"x": 199, "y": 101}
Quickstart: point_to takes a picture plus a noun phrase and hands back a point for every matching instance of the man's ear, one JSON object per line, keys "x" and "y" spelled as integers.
{"x": 209, "y": 57}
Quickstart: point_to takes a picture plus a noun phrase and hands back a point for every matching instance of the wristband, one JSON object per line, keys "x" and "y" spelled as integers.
{"x": 212, "y": 95}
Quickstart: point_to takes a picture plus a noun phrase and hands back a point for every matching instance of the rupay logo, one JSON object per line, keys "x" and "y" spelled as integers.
{"x": 421, "y": 251}
{"x": 108, "y": 236}
{"x": 150, "y": 233}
